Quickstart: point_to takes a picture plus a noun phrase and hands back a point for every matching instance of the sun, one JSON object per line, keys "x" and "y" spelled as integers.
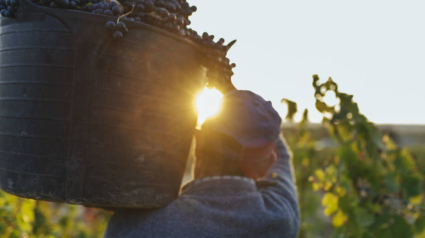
{"x": 208, "y": 104}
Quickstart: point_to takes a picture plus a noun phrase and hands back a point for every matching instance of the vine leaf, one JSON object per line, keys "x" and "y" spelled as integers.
{"x": 420, "y": 225}
{"x": 364, "y": 218}
{"x": 292, "y": 109}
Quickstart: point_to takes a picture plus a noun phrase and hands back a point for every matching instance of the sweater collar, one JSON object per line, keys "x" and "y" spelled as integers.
{"x": 219, "y": 183}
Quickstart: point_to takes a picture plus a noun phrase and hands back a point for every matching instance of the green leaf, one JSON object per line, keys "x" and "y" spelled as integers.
{"x": 292, "y": 109}
{"x": 346, "y": 203}
{"x": 377, "y": 140}
{"x": 392, "y": 185}
{"x": 400, "y": 228}
{"x": 367, "y": 235}
{"x": 411, "y": 185}
{"x": 420, "y": 224}
{"x": 322, "y": 107}
{"x": 364, "y": 218}
{"x": 404, "y": 162}
{"x": 384, "y": 233}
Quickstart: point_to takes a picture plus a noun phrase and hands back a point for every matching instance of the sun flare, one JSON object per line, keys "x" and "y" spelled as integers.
{"x": 207, "y": 104}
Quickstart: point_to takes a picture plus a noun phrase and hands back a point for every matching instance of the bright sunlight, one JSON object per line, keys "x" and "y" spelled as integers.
{"x": 207, "y": 104}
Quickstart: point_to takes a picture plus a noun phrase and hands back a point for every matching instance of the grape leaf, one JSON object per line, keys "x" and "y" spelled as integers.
{"x": 364, "y": 218}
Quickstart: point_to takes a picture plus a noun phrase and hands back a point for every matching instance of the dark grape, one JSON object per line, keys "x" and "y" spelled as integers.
{"x": 140, "y": 8}
{"x": 116, "y": 11}
{"x": 205, "y": 36}
{"x": 121, "y": 27}
{"x": 197, "y": 39}
{"x": 172, "y": 17}
{"x": 118, "y": 35}
{"x": 54, "y": 4}
{"x": 149, "y": 6}
{"x": 226, "y": 61}
{"x": 141, "y": 15}
{"x": 105, "y": 7}
{"x": 72, "y": 4}
{"x": 128, "y": 4}
{"x": 3, "y": 12}
{"x": 108, "y": 12}
{"x": 180, "y": 21}
{"x": 169, "y": 26}
{"x": 181, "y": 33}
{"x": 63, "y": 3}
{"x": 8, "y": 14}
{"x": 170, "y": 7}
{"x": 113, "y": 4}
{"x": 162, "y": 12}
{"x": 177, "y": 4}
{"x": 160, "y": 3}
{"x": 110, "y": 25}
{"x": 10, "y": 9}
{"x": 176, "y": 28}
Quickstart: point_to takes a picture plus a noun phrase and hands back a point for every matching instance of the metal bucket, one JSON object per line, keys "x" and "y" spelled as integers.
{"x": 86, "y": 119}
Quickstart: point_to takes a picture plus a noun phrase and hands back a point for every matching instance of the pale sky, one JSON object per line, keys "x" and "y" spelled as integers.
{"x": 374, "y": 50}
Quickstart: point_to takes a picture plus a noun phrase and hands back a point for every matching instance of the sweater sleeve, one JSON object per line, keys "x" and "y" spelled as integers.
{"x": 282, "y": 172}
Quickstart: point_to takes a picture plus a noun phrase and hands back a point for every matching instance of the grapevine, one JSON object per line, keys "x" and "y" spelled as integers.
{"x": 371, "y": 188}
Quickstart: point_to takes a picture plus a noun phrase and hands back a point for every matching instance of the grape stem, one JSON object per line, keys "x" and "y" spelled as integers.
{"x": 128, "y": 13}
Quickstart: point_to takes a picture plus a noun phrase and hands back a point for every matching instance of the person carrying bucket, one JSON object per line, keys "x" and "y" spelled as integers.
{"x": 243, "y": 181}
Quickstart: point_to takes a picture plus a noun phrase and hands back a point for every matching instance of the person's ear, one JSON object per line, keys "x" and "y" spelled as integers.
{"x": 268, "y": 163}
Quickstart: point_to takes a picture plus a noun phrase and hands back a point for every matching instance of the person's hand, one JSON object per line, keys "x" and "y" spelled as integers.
{"x": 225, "y": 88}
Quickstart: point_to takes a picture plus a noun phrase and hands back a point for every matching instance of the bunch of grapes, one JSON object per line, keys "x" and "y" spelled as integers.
{"x": 8, "y": 8}
{"x": 170, "y": 15}
{"x": 220, "y": 70}
{"x": 118, "y": 30}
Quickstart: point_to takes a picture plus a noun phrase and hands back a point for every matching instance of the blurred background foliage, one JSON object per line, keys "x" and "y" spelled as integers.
{"x": 27, "y": 218}
{"x": 353, "y": 180}
{"x": 364, "y": 183}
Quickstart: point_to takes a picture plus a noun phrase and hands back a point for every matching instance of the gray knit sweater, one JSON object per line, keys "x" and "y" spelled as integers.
{"x": 221, "y": 207}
